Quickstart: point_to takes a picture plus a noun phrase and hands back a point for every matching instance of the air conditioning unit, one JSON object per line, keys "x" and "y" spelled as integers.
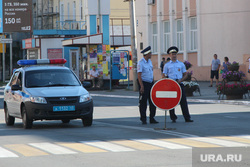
{"x": 151, "y": 2}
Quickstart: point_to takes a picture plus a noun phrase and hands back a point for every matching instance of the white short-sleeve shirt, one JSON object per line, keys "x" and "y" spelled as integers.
{"x": 94, "y": 73}
{"x": 174, "y": 70}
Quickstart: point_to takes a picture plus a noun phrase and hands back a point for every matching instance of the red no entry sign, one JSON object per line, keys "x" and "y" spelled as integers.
{"x": 166, "y": 94}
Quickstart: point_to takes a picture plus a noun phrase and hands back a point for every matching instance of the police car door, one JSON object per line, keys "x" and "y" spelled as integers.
{"x": 16, "y": 96}
{"x": 9, "y": 95}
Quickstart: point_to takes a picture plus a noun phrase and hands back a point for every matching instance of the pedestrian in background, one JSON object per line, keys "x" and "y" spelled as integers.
{"x": 215, "y": 66}
{"x": 162, "y": 63}
{"x": 176, "y": 70}
{"x": 224, "y": 65}
{"x": 145, "y": 82}
{"x": 248, "y": 60}
{"x": 96, "y": 77}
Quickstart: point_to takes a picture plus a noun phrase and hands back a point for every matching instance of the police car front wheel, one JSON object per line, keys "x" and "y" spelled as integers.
{"x": 27, "y": 123}
{"x": 87, "y": 121}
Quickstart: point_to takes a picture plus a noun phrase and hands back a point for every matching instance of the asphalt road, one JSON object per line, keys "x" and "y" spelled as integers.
{"x": 219, "y": 134}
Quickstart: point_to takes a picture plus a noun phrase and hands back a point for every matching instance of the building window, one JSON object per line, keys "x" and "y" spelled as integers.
{"x": 179, "y": 35}
{"x": 167, "y": 39}
{"x": 81, "y": 10}
{"x": 74, "y": 10}
{"x": 61, "y": 12}
{"x": 193, "y": 34}
{"x": 154, "y": 37}
{"x": 68, "y": 12}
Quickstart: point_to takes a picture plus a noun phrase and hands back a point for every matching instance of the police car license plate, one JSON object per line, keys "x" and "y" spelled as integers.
{"x": 63, "y": 108}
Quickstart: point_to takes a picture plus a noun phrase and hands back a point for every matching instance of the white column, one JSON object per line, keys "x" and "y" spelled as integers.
{"x": 185, "y": 28}
{"x": 148, "y": 26}
{"x": 159, "y": 31}
{"x": 199, "y": 58}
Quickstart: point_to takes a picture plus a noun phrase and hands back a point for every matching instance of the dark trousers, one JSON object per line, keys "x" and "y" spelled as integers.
{"x": 143, "y": 102}
{"x": 184, "y": 106}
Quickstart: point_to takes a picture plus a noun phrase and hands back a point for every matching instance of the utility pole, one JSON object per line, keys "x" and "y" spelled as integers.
{"x": 133, "y": 42}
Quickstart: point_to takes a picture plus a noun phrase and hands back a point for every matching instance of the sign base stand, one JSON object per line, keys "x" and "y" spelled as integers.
{"x": 165, "y": 127}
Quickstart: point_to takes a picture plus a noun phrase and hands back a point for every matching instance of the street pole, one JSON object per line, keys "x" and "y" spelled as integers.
{"x": 3, "y": 37}
{"x": 11, "y": 55}
{"x": 133, "y": 43}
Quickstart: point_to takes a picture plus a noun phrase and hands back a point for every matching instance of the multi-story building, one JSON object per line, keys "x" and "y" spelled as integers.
{"x": 199, "y": 28}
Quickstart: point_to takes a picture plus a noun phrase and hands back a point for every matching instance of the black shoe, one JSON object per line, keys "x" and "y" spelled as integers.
{"x": 174, "y": 121}
{"x": 210, "y": 86}
{"x": 153, "y": 121}
{"x": 189, "y": 120}
{"x": 144, "y": 122}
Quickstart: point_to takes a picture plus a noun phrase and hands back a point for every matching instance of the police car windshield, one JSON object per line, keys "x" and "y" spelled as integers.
{"x": 50, "y": 78}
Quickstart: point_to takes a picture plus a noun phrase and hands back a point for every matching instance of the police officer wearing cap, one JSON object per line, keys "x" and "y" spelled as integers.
{"x": 176, "y": 70}
{"x": 146, "y": 81}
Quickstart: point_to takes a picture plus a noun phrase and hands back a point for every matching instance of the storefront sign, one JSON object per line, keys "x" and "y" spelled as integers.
{"x": 55, "y": 53}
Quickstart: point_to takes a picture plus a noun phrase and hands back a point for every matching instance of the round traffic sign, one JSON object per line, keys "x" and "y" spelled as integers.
{"x": 166, "y": 94}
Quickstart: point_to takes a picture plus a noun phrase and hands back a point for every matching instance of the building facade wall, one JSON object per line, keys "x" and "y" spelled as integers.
{"x": 224, "y": 30}
{"x": 207, "y": 27}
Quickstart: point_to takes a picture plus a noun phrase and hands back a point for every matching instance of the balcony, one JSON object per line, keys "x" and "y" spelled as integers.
{"x": 67, "y": 27}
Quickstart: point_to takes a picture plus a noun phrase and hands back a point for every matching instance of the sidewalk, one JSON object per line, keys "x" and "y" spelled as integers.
{"x": 208, "y": 95}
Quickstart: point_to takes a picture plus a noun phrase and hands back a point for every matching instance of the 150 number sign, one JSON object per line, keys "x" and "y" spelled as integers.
{"x": 15, "y": 15}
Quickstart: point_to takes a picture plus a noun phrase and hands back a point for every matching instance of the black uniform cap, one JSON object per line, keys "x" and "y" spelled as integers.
{"x": 146, "y": 50}
{"x": 172, "y": 49}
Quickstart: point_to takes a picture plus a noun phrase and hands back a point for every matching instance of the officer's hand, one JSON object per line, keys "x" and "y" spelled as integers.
{"x": 142, "y": 90}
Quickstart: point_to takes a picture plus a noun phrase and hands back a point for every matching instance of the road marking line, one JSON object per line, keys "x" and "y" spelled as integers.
{"x": 232, "y": 138}
{"x": 191, "y": 143}
{"x": 244, "y": 136}
{"x": 52, "y": 148}
{"x": 219, "y": 142}
{"x": 179, "y": 134}
{"x": 163, "y": 144}
{"x": 6, "y": 153}
{"x": 136, "y": 145}
{"x": 108, "y": 146}
{"x": 82, "y": 147}
{"x": 26, "y": 150}
{"x": 166, "y": 94}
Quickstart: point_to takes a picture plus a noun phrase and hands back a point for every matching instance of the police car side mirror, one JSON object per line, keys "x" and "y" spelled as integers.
{"x": 16, "y": 87}
{"x": 86, "y": 84}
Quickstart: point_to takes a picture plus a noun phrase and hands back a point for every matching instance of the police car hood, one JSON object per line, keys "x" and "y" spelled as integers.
{"x": 57, "y": 91}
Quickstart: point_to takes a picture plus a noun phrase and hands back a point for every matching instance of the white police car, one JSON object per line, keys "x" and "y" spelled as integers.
{"x": 46, "y": 92}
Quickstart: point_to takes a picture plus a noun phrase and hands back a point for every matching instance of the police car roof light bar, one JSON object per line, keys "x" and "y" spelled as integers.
{"x": 41, "y": 61}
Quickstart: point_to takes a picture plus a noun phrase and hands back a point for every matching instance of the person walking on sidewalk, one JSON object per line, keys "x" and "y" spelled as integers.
{"x": 145, "y": 82}
{"x": 215, "y": 66}
{"x": 176, "y": 70}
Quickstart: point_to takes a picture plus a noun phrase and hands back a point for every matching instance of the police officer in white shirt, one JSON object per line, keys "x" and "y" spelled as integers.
{"x": 176, "y": 70}
{"x": 146, "y": 81}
